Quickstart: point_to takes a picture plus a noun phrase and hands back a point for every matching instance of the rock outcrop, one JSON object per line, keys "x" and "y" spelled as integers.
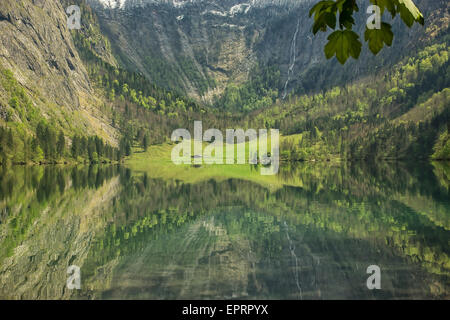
{"x": 37, "y": 46}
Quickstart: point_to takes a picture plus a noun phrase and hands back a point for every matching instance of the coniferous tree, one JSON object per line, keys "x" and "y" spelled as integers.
{"x": 60, "y": 145}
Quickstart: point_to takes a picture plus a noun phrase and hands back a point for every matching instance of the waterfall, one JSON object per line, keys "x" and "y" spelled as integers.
{"x": 292, "y": 58}
{"x": 295, "y": 259}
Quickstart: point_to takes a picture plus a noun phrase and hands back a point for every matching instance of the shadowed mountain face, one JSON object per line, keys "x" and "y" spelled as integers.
{"x": 36, "y": 44}
{"x": 197, "y": 48}
{"x": 202, "y": 47}
{"x": 38, "y": 55}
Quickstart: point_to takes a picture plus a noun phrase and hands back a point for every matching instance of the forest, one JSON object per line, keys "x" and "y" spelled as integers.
{"x": 399, "y": 112}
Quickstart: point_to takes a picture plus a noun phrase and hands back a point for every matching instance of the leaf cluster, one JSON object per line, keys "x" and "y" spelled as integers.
{"x": 344, "y": 42}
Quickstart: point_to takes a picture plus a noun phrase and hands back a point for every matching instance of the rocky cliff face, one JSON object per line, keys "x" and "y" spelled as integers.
{"x": 199, "y": 47}
{"x": 196, "y": 47}
{"x": 36, "y": 45}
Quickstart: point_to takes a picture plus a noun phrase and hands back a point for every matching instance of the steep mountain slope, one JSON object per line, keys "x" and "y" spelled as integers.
{"x": 37, "y": 45}
{"x": 261, "y": 58}
{"x": 202, "y": 47}
{"x": 398, "y": 114}
{"x": 42, "y": 77}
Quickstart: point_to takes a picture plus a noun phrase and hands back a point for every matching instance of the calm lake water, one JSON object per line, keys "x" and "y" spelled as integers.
{"x": 308, "y": 233}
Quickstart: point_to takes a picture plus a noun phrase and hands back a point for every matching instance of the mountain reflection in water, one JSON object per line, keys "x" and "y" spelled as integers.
{"x": 309, "y": 233}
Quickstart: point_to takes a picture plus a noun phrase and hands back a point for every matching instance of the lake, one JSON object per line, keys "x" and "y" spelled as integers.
{"x": 182, "y": 232}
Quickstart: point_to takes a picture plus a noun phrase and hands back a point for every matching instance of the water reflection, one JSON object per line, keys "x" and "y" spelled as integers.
{"x": 309, "y": 233}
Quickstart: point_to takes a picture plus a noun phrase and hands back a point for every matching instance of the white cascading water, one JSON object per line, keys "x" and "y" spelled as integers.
{"x": 295, "y": 259}
{"x": 292, "y": 57}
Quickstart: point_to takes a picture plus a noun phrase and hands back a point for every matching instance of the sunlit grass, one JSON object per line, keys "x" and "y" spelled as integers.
{"x": 157, "y": 163}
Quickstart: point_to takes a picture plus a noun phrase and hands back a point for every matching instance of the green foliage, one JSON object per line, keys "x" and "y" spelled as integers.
{"x": 397, "y": 114}
{"x": 345, "y": 42}
{"x": 132, "y": 100}
{"x": 259, "y": 92}
{"x": 93, "y": 149}
{"x": 145, "y": 142}
{"x": 19, "y": 102}
{"x": 378, "y": 37}
{"x": 203, "y": 83}
{"x": 442, "y": 147}
{"x": 50, "y": 147}
{"x": 26, "y": 135}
